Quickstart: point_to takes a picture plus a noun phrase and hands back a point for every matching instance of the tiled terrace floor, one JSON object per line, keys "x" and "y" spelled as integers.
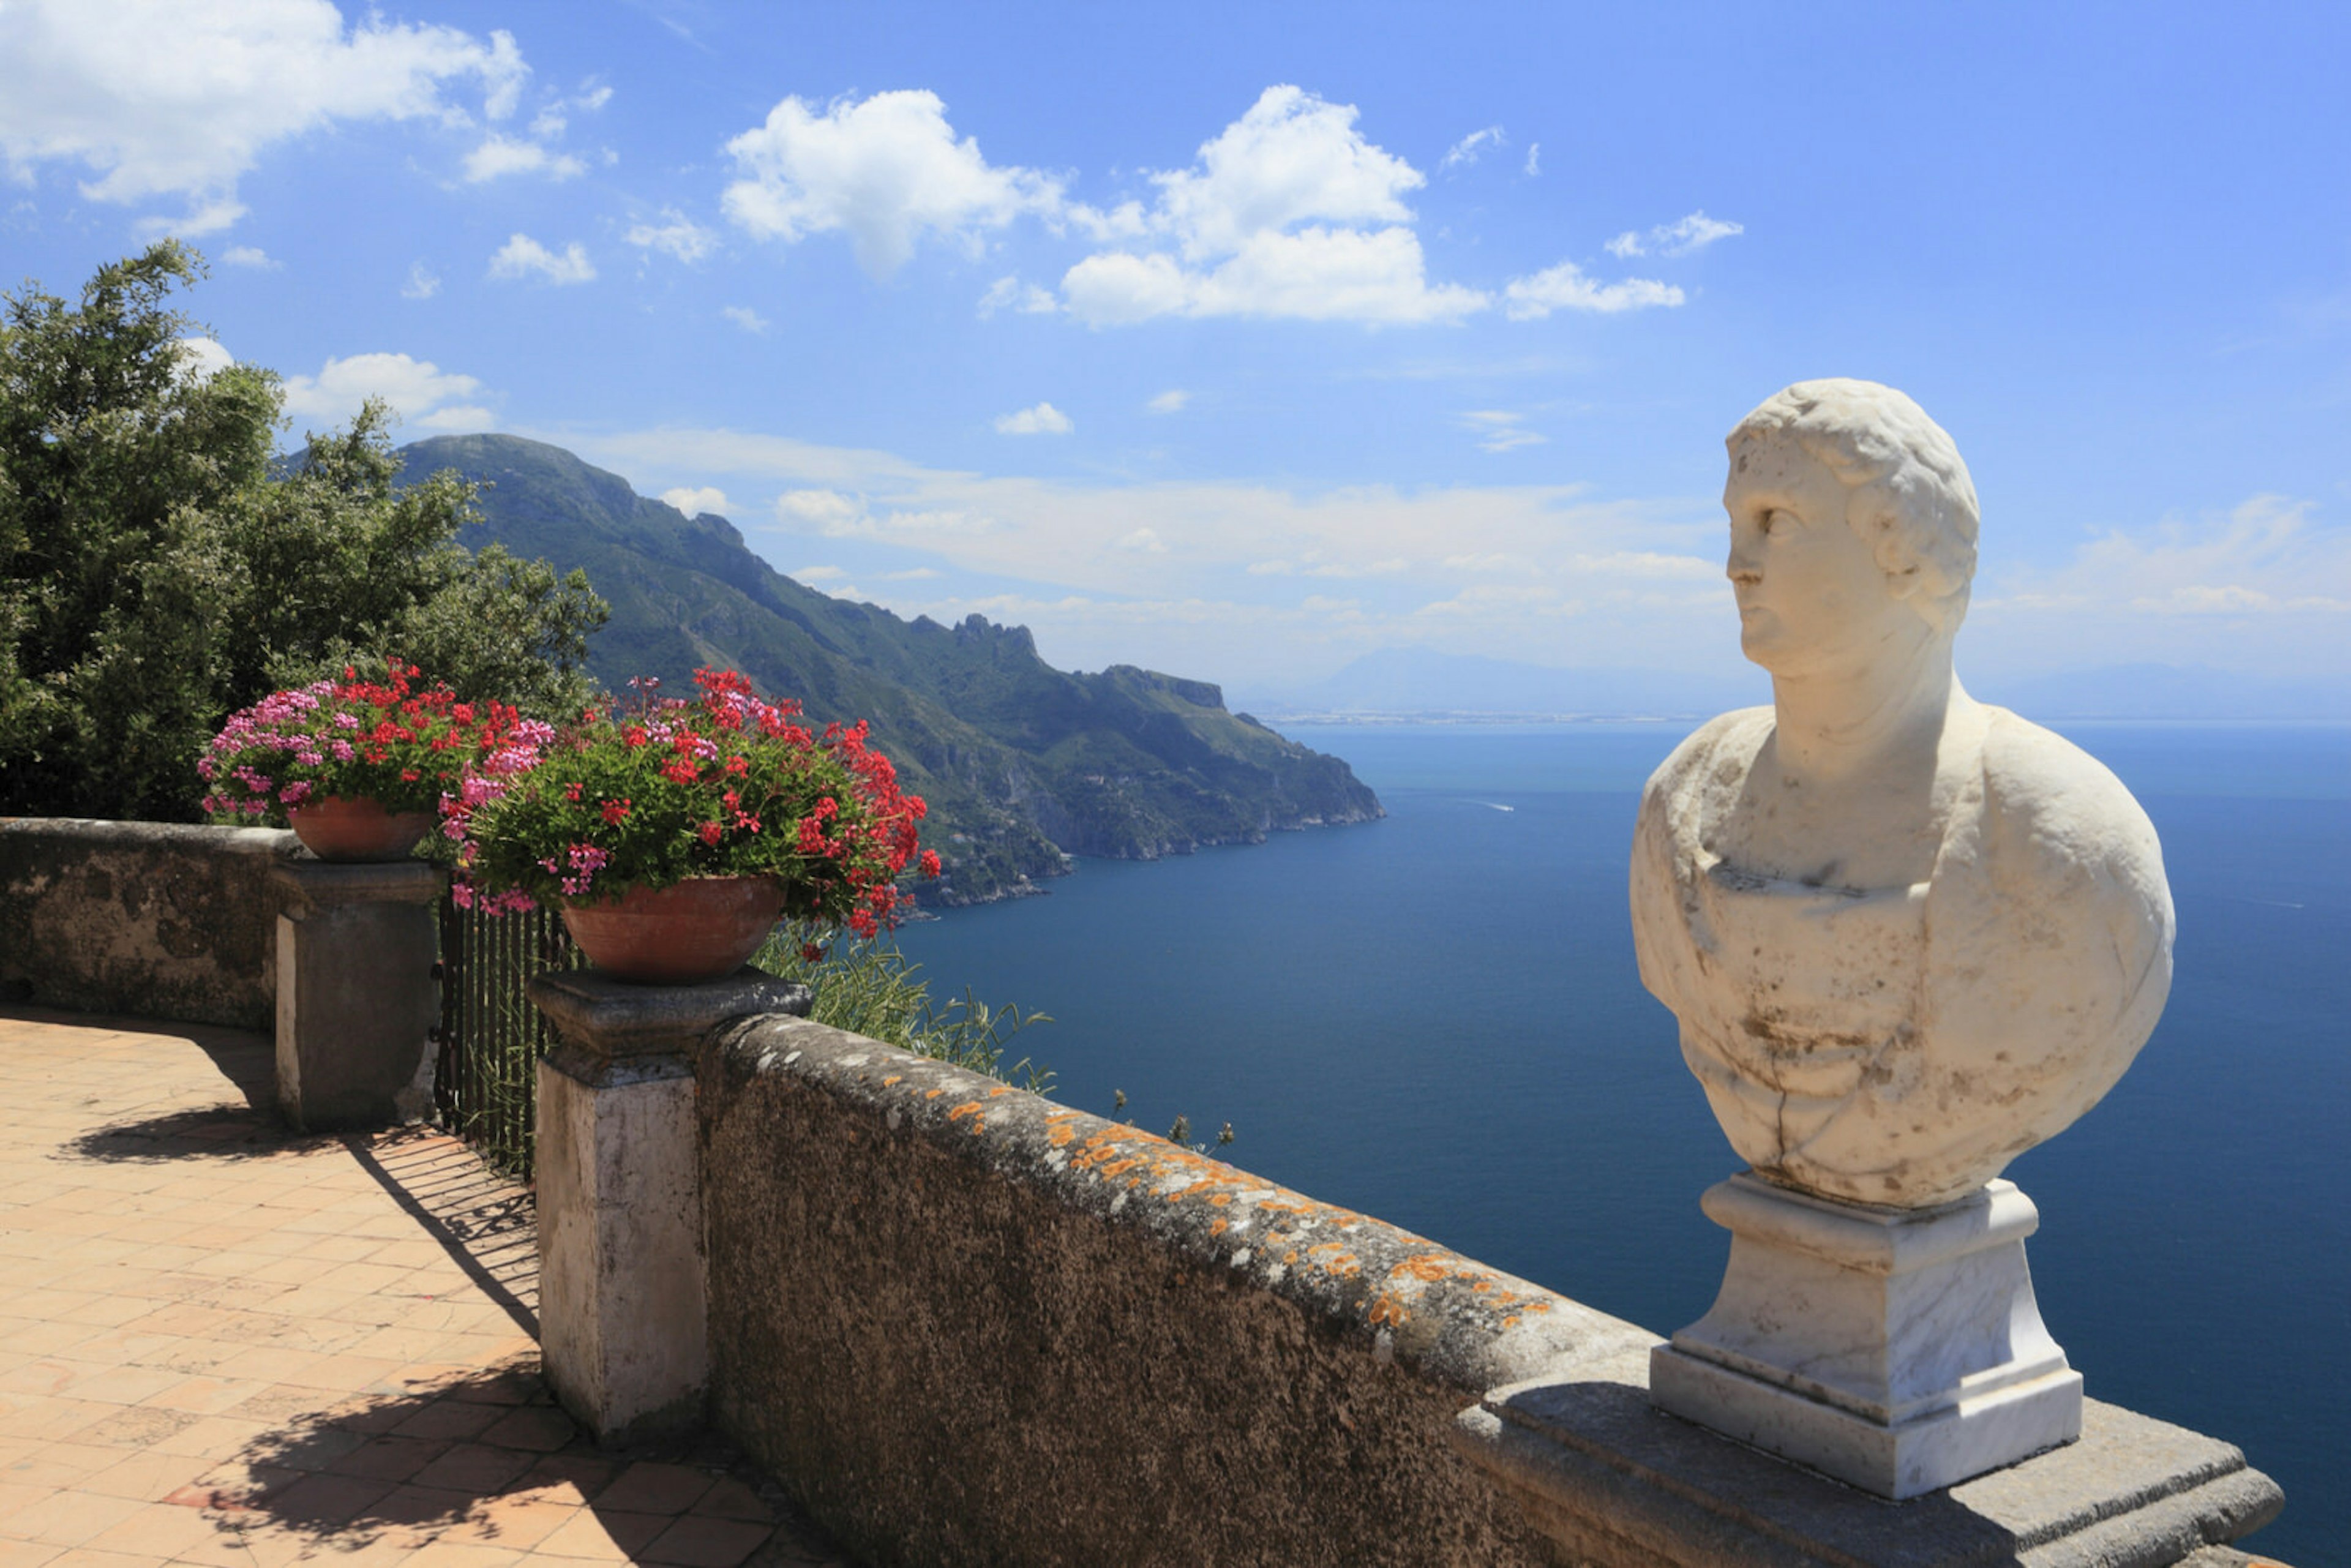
{"x": 224, "y": 1343}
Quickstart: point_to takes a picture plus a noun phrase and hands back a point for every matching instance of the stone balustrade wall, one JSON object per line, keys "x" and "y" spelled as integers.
{"x": 970, "y": 1325}
{"x": 154, "y": 919}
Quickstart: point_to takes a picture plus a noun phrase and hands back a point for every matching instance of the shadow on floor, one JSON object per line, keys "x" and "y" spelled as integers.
{"x": 486, "y": 1458}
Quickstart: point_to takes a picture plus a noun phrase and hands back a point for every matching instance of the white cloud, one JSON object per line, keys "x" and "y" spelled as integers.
{"x": 1679, "y": 237}
{"x": 1172, "y": 401}
{"x": 1042, "y": 420}
{"x": 677, "y": 234}
{"x": 201, "y": 359}
{"x": 750, "y": 321}
{"x": 522, "y": 256}
{"x": 1271, "y": 221}
{"x": 1145, "y": 540}
{"x": 1467, "y": 149}
{"x": 828, "y": 511}
{"x": 172, "y": 99}
{"x": 501, "y": 155}
{"x": 2268, "y": 557}
{"x": 1534, "y": 158}
{"x": 253, "y": 256}
{"x": 1011, "y": 294}
{"x": 419, "y": 391}
{"x": 423, "y": 283}
{"x": 1499, "y": 430}
{"x": 694, "y": 500}
{"x": 888, "y": 172}
{"x": 817, "y": 574}
{"x": 1565, "y": 287}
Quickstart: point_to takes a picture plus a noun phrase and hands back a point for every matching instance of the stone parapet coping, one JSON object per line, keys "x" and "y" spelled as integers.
{"x": 310, "y": 884}
{"x": 1404, "y": 1300}
{"x": 608, "y": 1017}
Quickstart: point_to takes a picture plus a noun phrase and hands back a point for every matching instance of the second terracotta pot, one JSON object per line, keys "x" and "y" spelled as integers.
{"x": 704, "y": 928}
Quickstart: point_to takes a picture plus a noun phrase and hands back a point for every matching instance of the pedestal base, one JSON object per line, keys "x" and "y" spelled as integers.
{"x": 1899, "y": 1350}
{"x": 624, "y": 1329}
{"x": 356, "y": 997}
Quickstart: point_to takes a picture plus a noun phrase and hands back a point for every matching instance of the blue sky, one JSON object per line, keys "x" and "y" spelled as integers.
{"x": 1241, "y": 341}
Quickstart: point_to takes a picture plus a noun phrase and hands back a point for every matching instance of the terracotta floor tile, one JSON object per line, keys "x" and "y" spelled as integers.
{"x": 428, "y": 1508}
{"x": 71, "y": 1518}
{"x": 649, "y": 1487}
{"x": 731, "y": 1498}
{"x": 85, "y": 1557}
{"x": 698, "y": 1541}
{"x": 450, "y": 1419}
{"x": 144, "y": 1474}
{"x": 389, "y": 1457}
{"x": 605, "y": 1534}
{"x": 539, "y": 1428}
{"x": 157, "y": 1530}
{"x": 320, "y": 1502}
{"x": 519, "y": 1524}
{"x": 27, "y": 1554}
{"x": 585, "y": 1473}
{"x": 475, "y": 1468}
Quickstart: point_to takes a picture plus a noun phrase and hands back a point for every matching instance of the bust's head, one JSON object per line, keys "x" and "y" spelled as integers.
{"x": 1865, "y": 455}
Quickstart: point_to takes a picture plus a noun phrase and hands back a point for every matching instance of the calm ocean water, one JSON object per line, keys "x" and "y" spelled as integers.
{"x": 1435, "y": 1018}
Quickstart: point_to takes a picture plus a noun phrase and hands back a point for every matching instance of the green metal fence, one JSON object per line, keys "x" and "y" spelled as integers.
{"x": 490, "y": 1036}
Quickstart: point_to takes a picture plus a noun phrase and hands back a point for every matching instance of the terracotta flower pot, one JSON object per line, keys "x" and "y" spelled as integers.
{"x": 700, "y": 929}
{"x": 335, "y": 829}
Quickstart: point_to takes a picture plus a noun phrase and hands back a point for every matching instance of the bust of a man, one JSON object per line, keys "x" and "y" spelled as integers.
{"x": 1907, "y": 936}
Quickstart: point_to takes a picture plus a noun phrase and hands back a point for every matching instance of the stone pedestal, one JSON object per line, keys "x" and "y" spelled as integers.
{"x": 623, "y": 1329}
{"x": 356, "y": 997}
{"x": 1897, "y": 1350}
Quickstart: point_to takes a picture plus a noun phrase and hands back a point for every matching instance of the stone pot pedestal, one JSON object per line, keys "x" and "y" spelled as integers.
{"x": 623, "y": 1330}
{"x": 1899, "y": 1350}
{"x": 356, "y": 997}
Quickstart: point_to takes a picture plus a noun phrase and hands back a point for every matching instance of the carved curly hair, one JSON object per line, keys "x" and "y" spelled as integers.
{"x": 1910, "y": 494}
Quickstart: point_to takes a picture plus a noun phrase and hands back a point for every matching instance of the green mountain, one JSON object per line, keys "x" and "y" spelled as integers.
{"x": 1020, "y": 762}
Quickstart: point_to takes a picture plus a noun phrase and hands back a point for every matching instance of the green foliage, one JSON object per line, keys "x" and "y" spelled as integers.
{"x": 156, "y": 574}
{"x": 870, "y": 988}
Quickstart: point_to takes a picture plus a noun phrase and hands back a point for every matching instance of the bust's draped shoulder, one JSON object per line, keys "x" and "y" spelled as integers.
{"x": 2042, "y": 964}
{"x": 2049, "y": 922}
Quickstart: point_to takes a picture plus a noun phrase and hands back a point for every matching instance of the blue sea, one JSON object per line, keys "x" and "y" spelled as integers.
{"x": 1435, "y": 1018}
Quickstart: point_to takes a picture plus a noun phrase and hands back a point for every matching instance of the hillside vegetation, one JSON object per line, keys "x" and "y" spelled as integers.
{"x": 1020, "y": 762}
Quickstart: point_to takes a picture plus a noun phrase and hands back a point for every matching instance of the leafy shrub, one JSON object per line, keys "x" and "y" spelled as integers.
{"x": 870, "y": 988}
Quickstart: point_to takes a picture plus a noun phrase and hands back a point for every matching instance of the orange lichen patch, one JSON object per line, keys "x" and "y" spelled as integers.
{"x": 1218, "y": 1228}
{"x": 1428, "y": 1271}
{"x": 1000, "y": 1089}
{"x": 892, "y": 1079}
{"x": 1290, "y": 1257}
{"x": 1387, "y": 1310}
{"x": 1510, "y": 1323}
{"x": 1059, "y": 1135}
{"x": 1220, "y": 1200}
{"x": 1483, "y": 1285}
{"x": 933, "y": 1093}
{"x": 968, "y": 1108}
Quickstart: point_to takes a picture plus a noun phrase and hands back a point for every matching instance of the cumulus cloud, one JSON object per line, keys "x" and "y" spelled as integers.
{"x": 1042, "y": 420}
{"x": 423, "y": 283}
{"x": 1288, "y": 212}
{"x": 1011, "y": 294}
{"x": 827, "y": 512}
{"x": 523, "y": 257}
{"x": 1534, "y": 158}
{"x": 888, "y": 172}
{"x": 1679, "y": 237}
{"x": 1145, "y": 539}
{"x": 676, "y": 234}
{"x": 175, "y": 101}
{"x": 1172, "y": 401}
{"x": 750, "y": 321}
{"x": 694, "y": 500}
{"x": 201, "y": 359}
{"x": 419, "y": 391}
{"x": 1467, "y": 149}
{"x": 501, "y": 155}
{"x": 1565, "y": 287}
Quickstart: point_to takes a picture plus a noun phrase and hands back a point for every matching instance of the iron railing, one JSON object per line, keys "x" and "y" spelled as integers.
{"x": 484, "y": 1078}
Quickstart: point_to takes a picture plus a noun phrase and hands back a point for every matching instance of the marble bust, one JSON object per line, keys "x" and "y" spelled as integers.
{"x": 1907, "y": 935}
